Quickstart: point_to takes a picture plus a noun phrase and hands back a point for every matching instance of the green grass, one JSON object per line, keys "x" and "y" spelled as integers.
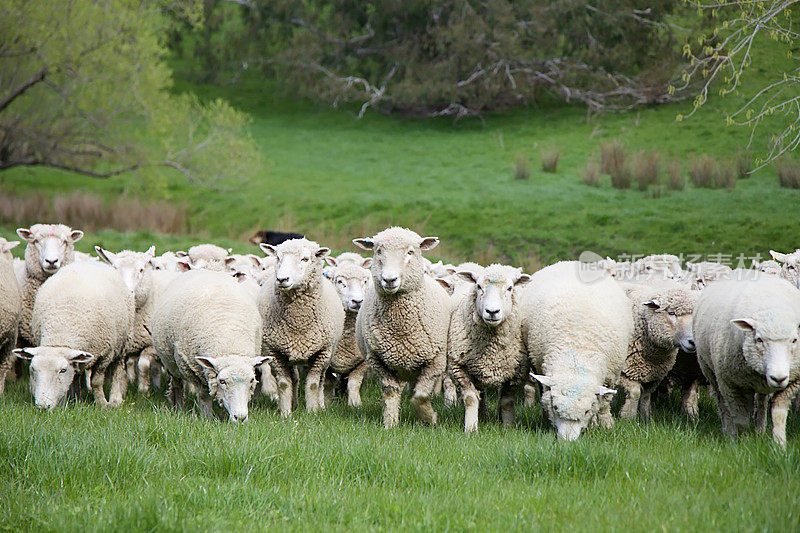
{"x": 145, "y": 467}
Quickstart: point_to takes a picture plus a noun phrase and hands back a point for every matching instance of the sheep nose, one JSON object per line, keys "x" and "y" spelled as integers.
{"x": 492, "y": 312}
{"x": 283, "y": 280}
{"x": 778, "y": 381}
{"x": 389, "y": 281}
{"x": 51, "y": 262}
{"x": 690, "y": 345}
{"x": 358, "y": 301}
{"x": 240, "y": 417}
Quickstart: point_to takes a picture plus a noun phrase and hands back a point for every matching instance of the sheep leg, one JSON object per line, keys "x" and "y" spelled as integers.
{"x": 645, "y": 400}
{"x": 295, "y": 386}
{"x": 119, "y": 383}
{"x": 205, "y": 402}
{"x": 690, "y": 400}
{"x": 471, "y": 398}
{"x": 760, "y": 409}
{"x": 314, "y": 390}
{"x": 130, "y": 368}
{"x": 780, "y": 408}
{"x": 531, "y": 393}
{"x": 6, "y": 362}
{"x": 287, "y": 381}
{"x": 269, "y": 386}
{"x": 437, "y": 388}
{"x": 483, "y": 408}
{"x": 391, "y": 390}
{"x": 144, "y": 365}
{"x": 330, "y": 386}
{"x": 506, "y": 405}
{"x": 604, "y": 417}
{"x": 633, "y": 390}
{"x": 175, "y": 393}
{"x": 450, "y": 391}
{"x": 98, "y": 379}
{"x": 739, "y": 407}
{"x": 354, "y": 381}
{"x": 423, "y": 388}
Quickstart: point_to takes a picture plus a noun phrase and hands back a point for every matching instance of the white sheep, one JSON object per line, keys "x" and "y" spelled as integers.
{"x": 402, "y": 325}
{"x": 484, "y": 345}
{"x": 769, "y": 266}
{"x": 790, "y": 266}
{"x": 747, "y": 344}
{"x": 50, "y": 247}
{"x": 699, "y": 275}
{"x": 208, "y": 257}
{"x": 662, "y": 266}
{"x": 207, "y": 332}
{"x": 303, "y": 320}
{"x": 10, "y": 308}
{"x": 576, "y": 330}
{"x": 82, "y": 317}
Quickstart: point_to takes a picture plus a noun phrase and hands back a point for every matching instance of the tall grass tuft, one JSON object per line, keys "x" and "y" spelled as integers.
{"x": 744, "y": 163}
{"x": 591, "y": 174}
{"x": 703, "y": 171}
{"x": 612, "y": 157}
{"x": 725, "y": 177}
{"x": 550, "y": 159}
{"x": 622, "y": 178}
{"x": 644, "y": 167}
{"x": 521, "y": 170}
{"x": 788, "y": 171}
{"x": 676, "y": 180}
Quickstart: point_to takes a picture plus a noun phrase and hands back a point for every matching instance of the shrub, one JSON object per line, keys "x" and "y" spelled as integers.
{"x": 725, "y": 176}
{"x": 550, "y": 159}
{"x": 744, "y": 163}
{"x": 591, "y": 174}
{"x": 622, "y": 178}
{"x": 612, "y": 157}
{"x": 703, "y": 171}
{"x": 521, "y": 171}
{"x": 676, "y": 181}
{"x": 644, "y": 168}
{"x": 788, "y": 171}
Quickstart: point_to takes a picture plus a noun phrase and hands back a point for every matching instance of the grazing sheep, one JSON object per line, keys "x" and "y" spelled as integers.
{"x": 484, "y": 344}
{"x": 208, "y": 257}
{"x": 207, "y": 332}
{"x": 747, "y": 344}
{"x": 402, "y": 325}
{"x": 50, "y": 247}
{"x": 10, "y": 308}
{"x": 303, "y": 320}
{"x": 699, "y": 275}
{"x": 662, "y": 324}
{"x": 82, "y": 317}
{"x": 790, "y": 266}
{"x": 576, "y": 332}
{"x": 351, "y": 282}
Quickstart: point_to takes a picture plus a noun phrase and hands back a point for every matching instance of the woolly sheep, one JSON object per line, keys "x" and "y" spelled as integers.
{"x": 699, "y": 275}
{"x": 351, "y": 282}
{"x": 790, "y": 266}
{"x": 303, "y": 320}
{"x": 10, "y": 307}
{"x": 207, "y": 332}
{"x": 402, "y": 325}
{"x": 208, "y": 257}
{"x": 747, "y": 343}
{"x": 349, "y": 257}
{"x": 82, "y": 316}
{"x": 576, "y": 331}
{"x": 50, "y": 247}
{"x": 770, "y": 267}
{"x": 484, "y": 345}
{"x": 663, "y": 266}
{"x": 662, "y": 318}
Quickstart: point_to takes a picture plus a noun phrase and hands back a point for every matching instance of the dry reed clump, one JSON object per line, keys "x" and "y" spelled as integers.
{"x": 550, "y": 160}
{"x": 788, "y": 171}
{"x": 521, "y": 170}
{"x": 591, "y": 174}
{"x": 676, "y": 180}
{"x": 644, "y": 167}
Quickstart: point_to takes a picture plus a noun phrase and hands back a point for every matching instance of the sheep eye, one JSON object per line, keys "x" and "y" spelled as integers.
{"x": 759, "y": 340}
{"x": 411, "y": 252}
{"x": 511, "y": 288}
{"x": 62, "y": 371}
{"x": 794, "y": 341}
{"x": 305, "y": 259}
{"x": 223, "y": 382}
{"x": 673, "y": 313}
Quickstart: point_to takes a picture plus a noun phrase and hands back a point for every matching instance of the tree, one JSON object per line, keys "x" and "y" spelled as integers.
{"x": 727, "y": 52}
{"x": 84, "y": 88}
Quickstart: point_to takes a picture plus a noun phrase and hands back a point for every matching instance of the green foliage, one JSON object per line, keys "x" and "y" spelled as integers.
{"x": 85, "y": 87}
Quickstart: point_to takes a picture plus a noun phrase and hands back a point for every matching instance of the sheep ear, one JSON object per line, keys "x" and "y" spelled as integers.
{"x": 652, "y": 304}
{"x": 75, "y": 236}
{"x": 183, "y": 266}
{"x": 181, "y": 253}
{"x": 208, "y": 363}
{"x": 105, "y": 255}
{"x": 365, "y": 244}
{"x": 466, "y": 275}
{"x": 523, "y": 279}
{"x": 744, "y": 324}
{"x": 268, "y": 250}
{"x": 240, "y": 276}
{"x": 10, "y": 245}
{"x": 25, "y": 234}
{"x": 258, "y": 361}
{"x": 151, "y": 251}
{"x": 366, "y": 263}
{"x": 429, "y": 243}
{"x": 330, "y": 260}
{"x": 25, "y": 353}
{"x": 547, "y": 381}
{"x": 78, "y": 357}
{"x": 777, "y": 256}
{"x": 444, "y": 283}
{"x": 604, "y": 393}
{"x": 229, "y": 260}
{"x": 450, "y": 270}
{"x": 322, "y": 252}
{"x": 254, "y": 259}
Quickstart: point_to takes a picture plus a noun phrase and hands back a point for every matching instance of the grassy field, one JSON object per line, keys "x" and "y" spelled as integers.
{"x": 145, "y": 467}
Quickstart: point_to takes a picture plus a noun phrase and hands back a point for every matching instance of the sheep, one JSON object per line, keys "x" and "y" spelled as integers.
{"x": 662, "y": 324}
{"x": 663, "y": 266}
{"x": 207, "y": 332}
{"x": 576, "y": 333}
{"x": 790, "y": 266}
{"x": 171, "y": 262}
{"x": 246, "y": 265}
{"x": 402, "y": 325}
{"x": 484, "y": 344}
{"x": 747, "y": 343}
{"x": 770, "y": 266}
{"x": 620, "y": 270}
{"x": 10, "y": 308}
{"x": 701, "y": 274}
{"x": 349, "y": 257}
{"x": 351, "y": 282}
{"x": 208, "y": 257}
{"x": 50, "y": 247}
{"x": 82, "y": 317}
{"x": 303, "y": 320}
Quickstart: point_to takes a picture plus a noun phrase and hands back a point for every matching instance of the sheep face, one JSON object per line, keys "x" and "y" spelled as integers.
{"x": 6, "y": 247}
{"x": 770, "y": 346}
{"x": 349, "y": 257}
{"x": 397, "y": 264}
{"x": 242, "y": 265}
{"x": 134, "y": 269}
{"x": 52, "y": 371}
{"x": 494, "y": 292}
{"x": 232, "y": 382}
{"x": 770, "y": 267}
{"x": 668, "y": 320}
{"x": 299, "y": 262}
{"x": 51, "y": 245}
{"x": 790, "y": 266}
{"x": 701, "y": 274}
{"x": 208, "y": 257}
{"x": 351, "y": 283}
{"x": 571, "y": 402}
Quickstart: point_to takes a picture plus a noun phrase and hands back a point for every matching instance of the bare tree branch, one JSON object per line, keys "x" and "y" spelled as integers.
{"x": 19, "y": 91}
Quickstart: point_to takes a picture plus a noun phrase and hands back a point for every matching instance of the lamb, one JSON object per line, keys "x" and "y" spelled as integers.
{"x": 701, "y": 274}
{"x": 208, "y": 257}
{"x": 402, "y": 325}
{"x": 50, "y": 247}
{"x": 484, "y": 344}
{"x": 351, "y": 282}
{"x": 662, "y": 323}
{"x": 790, "y": 266}
{"x": 10, "y": 308}
{"x": 207, "y": 332}
{"x": 303, "y": 320}
{"x": 82, "y": 317}
{"x": 576, "y": 333}
{"x": 747, "y": 343}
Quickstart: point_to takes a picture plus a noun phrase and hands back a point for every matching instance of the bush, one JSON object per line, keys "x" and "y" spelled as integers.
{"x": 622, "y": 177}
{"x": 612, "y": 157}
{"x": 521, "y": 171}
{"x": 591, "y": 174}
{"x": 725, "y": 176}
{"x": 788, "y": 171}
{"x": 744, "y": 164}
{"x": 677, "y": 181}
{"x": 644, "y": 168}
{"x": 703, "y": 171}
{"x": 550, "y": 160}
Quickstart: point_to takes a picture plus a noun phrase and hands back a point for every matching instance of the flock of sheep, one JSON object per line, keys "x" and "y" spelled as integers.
{"x": 217, "y": 327}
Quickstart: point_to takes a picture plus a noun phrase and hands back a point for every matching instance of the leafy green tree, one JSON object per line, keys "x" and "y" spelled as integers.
{"x": 84, "y": 88}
